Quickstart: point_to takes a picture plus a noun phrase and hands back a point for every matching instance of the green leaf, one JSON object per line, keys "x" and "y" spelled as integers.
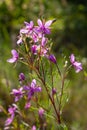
{"x": 62, "y": 127}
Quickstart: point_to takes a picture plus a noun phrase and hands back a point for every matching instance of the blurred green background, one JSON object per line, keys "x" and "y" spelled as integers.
{"x": 69, "y": 35}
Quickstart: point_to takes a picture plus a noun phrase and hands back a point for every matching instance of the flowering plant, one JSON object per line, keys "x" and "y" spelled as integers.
{"x": 34, "y": 51}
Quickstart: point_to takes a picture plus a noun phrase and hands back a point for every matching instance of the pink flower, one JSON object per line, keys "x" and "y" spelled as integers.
{"x": 11, "y": 111}
{"x": 44, "y": 27}
{"x": 14, "y": 58}
{"x": 32, "y": 88}
{"x": 38, "y": 49}
{"x": 76, "y": 65}
{"x": 33, "y": 127}
{"x": 41, "y": 112}
{"x": 17, "y": 93}
{"x": 27, "y": 105}
{"x": 28, "y": 28}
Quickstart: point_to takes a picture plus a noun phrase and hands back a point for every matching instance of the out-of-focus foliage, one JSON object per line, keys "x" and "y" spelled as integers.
{"x": 69, "y": 35}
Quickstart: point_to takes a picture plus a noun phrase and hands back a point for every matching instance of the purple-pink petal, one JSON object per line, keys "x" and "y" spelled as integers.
{"x": 19, "y": 41}
{"x": 33, "y": 127}
{"x": 18, "y": 93}
{"x": 33, "y": 83}
{"x": 41, "y": 112}
{"x": 48, "y": 23}
{"x": 14, "y": 58}
{"x": 78, "y": 66}
{"x": 39, "y": 22}
{"x": 44, "y": 41}
{"x": 9, "y": 121}
{"x": 37, "y": 89}
{"x": 75, "y": 64}
{"x": 72, "y": 58}
{"x": 12, "y": 109}
{"x": 24, "y": 31}
{"x": 34, "y": 49}
{"x": 29, "y": 25}
{"x": 14, "y": 53}
{"x": 27, "y": 105}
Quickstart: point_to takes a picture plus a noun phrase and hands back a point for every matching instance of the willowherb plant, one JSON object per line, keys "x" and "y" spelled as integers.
{"x": 34, "y": 51}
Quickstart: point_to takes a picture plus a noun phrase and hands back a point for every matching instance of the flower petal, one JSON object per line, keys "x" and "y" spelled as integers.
{"x": 48, "y": 23}
{"x": 72, "y": 58}
{"x": 14, "y": 53}
{"x": 12, "y": 60}
{"x": 39, "y": 22}
{"x": 33, "y": 83}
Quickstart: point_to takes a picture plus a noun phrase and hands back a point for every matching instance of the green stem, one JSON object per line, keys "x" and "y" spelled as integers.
{"x": 58, "y": 69}
{"x": 62, "y": 89}
{"x": 53, "y": 103}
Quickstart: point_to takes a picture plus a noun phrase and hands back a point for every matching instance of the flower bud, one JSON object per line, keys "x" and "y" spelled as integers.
{"x": 52, "y": 58}
{"x": 41, "y": 112}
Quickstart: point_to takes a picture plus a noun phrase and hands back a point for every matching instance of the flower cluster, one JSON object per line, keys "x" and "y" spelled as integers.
{"x": 27, "y": 91}
{"x": 12, "y": 109}
{"x": 33, "y": 46}
{"x": 38, "y": 41}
